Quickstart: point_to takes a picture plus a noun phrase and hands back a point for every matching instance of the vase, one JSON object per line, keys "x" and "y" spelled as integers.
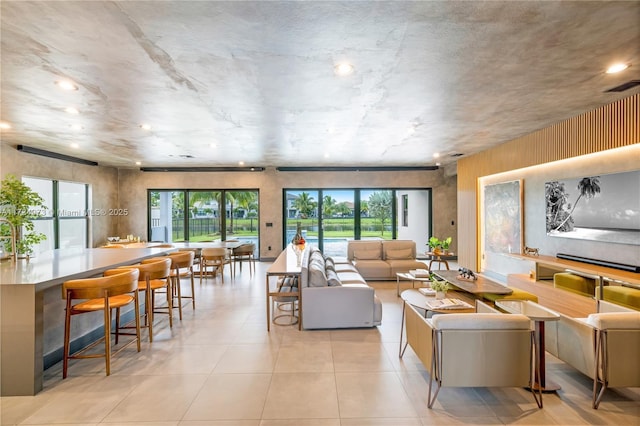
{"x": 298, "y": 239}
{"x": 441, "y": 295}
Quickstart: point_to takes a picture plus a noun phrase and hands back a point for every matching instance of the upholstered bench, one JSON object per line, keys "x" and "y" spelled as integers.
{"x": 574, "y": 283}
{"x": 623, "y": 296}
{"x": 516, "y": 295}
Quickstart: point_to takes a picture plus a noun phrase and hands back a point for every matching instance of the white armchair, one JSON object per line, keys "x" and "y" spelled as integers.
{"x": 604, "y": 346}
{"x": 488, "y": 350}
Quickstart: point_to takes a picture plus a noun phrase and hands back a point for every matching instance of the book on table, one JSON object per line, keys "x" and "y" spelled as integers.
{"x": 427, "y": 291}
{"x": 448, "y": 304}
{"x": 420, "y": 273}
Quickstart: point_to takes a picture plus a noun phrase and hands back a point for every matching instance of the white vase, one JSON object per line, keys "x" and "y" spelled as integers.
{"x": 440, "y": 295}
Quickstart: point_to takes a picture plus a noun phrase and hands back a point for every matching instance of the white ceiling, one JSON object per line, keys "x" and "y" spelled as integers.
{"x": 256, "y": 79}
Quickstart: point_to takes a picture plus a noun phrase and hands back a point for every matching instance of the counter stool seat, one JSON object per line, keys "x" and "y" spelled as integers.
{"x": 116, "y": 289}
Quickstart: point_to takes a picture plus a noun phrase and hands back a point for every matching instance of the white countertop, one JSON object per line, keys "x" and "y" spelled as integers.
{"x": 56, "y": 266}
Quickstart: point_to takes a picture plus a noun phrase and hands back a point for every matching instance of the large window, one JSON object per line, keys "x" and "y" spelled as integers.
{"x": 331, "y": 217}
{"x": 66, "y": 219}
{"x": 203, "y": 215}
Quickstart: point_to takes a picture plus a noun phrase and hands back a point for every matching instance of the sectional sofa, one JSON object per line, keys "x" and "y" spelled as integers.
{"x": 335, "y": 295}
{"x": 382, "y": 259}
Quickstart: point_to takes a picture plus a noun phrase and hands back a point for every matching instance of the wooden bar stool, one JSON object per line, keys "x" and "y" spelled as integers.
{"x": 117, "y": 289}
{"x": 182, "y": 267}
{"x": 244, "y": 253}
{"x": 154, "y": 275}
{"x": 216, "y": 258}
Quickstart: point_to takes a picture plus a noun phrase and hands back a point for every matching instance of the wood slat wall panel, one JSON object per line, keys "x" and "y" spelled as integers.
{"x": 611, "y": 126}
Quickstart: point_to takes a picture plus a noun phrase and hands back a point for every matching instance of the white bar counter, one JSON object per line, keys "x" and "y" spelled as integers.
{"x": 22, "y": 288}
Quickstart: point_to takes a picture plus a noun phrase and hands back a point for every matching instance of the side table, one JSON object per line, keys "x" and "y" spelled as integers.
{"x": 538, "y": 314}
{"x": 409, "y": 277}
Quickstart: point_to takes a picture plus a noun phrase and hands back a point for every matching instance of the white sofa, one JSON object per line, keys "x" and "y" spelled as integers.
{"x": 382, "y": 259}
{"x": 334, "y": 295}
{"x": 604, "y": 346}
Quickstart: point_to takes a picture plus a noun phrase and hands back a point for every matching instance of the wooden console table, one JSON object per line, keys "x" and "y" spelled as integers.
{"x": 602, "y": 273}
{"x": 286, "y": 265}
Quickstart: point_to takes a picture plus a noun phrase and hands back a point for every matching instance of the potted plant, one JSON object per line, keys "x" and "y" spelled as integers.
{"x": 440, "y": 287}
{"x": 438, "y": 246}
{"x": 19, "y": 205}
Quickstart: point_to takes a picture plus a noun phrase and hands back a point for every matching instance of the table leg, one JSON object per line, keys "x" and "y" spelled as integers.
{"x": 402, "y": 349}
{"x": 268, "y": 305}
{"x": 397, "y": 286}
{"x": 544, "y": 385}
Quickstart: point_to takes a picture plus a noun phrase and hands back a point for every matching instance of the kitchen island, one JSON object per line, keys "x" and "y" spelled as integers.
{"x": 25, "y": 290}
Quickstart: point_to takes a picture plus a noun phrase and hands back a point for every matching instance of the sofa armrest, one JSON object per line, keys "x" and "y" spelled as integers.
{"x": 349, "y": 305}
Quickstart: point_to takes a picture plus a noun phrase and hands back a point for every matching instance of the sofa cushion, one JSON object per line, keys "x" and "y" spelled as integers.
{"x": 351, "y": 278}
{"x": 373, "y": 268}
{"x": 317, "y": 275}
{"x": 399, "y": 254}
{"x": 618, "y": 320}
{"x": 345, "y": 267}
{"x": 367, "y": 254}
{"x": 329, "y": 264}
{"x": 332, "y": 278}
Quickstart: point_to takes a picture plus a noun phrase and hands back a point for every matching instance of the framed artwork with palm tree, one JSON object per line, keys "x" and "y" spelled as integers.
{"x": 599, "y": 207}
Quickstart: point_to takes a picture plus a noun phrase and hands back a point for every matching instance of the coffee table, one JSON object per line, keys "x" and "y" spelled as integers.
{"x": 409, "y": 277}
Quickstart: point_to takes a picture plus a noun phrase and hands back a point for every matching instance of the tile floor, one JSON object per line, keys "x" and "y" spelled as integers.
{"x": 219, "y": 366}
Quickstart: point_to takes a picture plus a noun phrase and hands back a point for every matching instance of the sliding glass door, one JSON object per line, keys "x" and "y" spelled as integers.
{"x": 203, "y": 215}
{"x": 329, "y": 218}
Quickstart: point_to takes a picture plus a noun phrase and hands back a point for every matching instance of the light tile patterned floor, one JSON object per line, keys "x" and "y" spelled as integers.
{"x": 220, "y": 367}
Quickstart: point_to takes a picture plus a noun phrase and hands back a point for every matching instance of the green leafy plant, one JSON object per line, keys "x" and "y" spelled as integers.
{"x": 19, "y": 205}
{"x": 437, "y": 285}
{"x": 437, "y": 244}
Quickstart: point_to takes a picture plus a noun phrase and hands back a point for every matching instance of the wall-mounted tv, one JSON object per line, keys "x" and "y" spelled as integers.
{"x": 599, "y": 207}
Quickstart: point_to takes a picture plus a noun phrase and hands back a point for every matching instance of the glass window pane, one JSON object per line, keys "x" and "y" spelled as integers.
{"x": 302, "y": 207}
{"x": 338, "y": 221}
{"x": 205, "y": 213}
{"x": 376, "y": 210}
{"x": 72, "y": 199}
{"x": 242, "y": 216}
{"x": 73, "y": 233}
{"x": 167, "y": 216}
{"x": 44, "y": 188}
{"x": 44, "y": 226}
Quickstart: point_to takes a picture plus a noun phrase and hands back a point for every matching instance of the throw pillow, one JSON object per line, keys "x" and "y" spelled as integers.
{"x": 329, "y": 264}
{"x": 400, "y": 254}
{"x": 317, "y": 277}
{"x": 371, "y": 254}
{"x": 332, "y": 279}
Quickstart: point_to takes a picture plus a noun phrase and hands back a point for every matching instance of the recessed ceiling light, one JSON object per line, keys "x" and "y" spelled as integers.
{"x": 74, "y": 145}
{"x": 438, "y": 164}
{"x": 145, "y": 126}
{"x": 331, "y": 130}
{"x": 213, "y": 146}
{"x": 72, "y": 110}
{"x": 436, "y": 155}
{"x": 343, "y": 68}
{"x": 411, "y": 130}
{"x": 66, "y": 85}
{"x": 617, "y": 68}
{"x": 138, "y": 163}
{"x": 4, "y": 125}
{"x": 241, "y": 163}
{"x": 76, "y": 126}
{"x": 327, "y": 155}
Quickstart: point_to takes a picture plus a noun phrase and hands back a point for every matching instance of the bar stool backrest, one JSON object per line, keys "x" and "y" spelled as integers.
{"x": 115, "y": 282}
{"x": 154, "y": 268}
{"x": 182, "y": 259}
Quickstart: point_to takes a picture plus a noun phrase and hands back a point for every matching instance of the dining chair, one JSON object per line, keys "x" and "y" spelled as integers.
{"x": 244, "y": 253}
{"x": 154, "y": 274}
{"x": 115, "y": 290}
{"x": 216, "y": 258}
{"x": 182, "y": 267}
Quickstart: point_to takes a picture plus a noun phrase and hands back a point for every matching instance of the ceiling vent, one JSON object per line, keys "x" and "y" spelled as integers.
{"x": 624, "y": 86}
{"x": 457, "y": 154}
